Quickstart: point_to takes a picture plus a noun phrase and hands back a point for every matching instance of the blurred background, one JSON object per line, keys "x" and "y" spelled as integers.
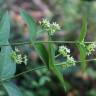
{"x": 68, "y": 13}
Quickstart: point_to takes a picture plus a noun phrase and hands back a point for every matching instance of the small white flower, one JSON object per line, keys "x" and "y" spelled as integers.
{"x": 56, "y": 26}
{"x": 70, "y": 60}
{"x": 47, "y": 26}
{"x": 17, "y": 50}
{"x": 25, "y": 59}
{"x": 46, "y": 22}
{"x": 19, "y": 59}
{"x": 64, "y": 50}
{"x": 91, "y": 48}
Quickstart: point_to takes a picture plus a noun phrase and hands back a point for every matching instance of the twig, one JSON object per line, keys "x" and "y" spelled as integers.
{"x": 36, "y": 42}
{"x": 38, "y": 68}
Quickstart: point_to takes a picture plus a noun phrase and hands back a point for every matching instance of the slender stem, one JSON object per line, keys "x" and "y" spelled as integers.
{"x": 57, "y": 55}
{"x": 38, "y": 68}
{"x": 41, "y": 31}
{"x": 51, "y": 51}
{"x": 27, "y": 71}
{"x": 77, "y": 62}
{"x": 22, "y": 43}
{"x": 70, "y": 42}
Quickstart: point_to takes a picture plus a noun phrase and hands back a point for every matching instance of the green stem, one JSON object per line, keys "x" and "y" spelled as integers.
{"x": 51, "y": 51}
{"x": 57, "y": 55}
{"x": 67, "y": 42}
{"x": 39, "y": 68}
{"x": 52, "y": 66}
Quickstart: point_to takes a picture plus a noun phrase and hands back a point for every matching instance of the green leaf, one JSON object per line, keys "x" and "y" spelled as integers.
{"x": 83, "y": 29}
{"x": 42, "y": 52}
{"x": 52, "y": 66}
{"x": 2, "y": 12}
{"x": 31, "y": 24}
{"x": 12, "y": 89}
{"x": 81, "y": 44}
{"x": 59, "y": 75}
{"x": 4, "y": 28}
{"x": 7, "y": 66}
{"x": 82, "y": 56}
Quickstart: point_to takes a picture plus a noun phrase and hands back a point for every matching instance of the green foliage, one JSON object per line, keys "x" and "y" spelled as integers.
{"x": 52, "y": 66}
{"x": 30, "y": 24}
{"x": 81, "y": 45}
{"x": 4, "y": 29}
{"x": 82, "y": 56}
{"x": 12, "y": 89}
{"x": 7, "y": 66}
{"x": 42, "y": 52}
{"x": 41, "y": 49}
{"x": 83, "y": 29}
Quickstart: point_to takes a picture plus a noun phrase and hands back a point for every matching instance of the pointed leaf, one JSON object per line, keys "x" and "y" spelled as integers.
{"x": 30, "y": 24}
{"x": 52, "y": 66}
{"x": 83, "y": 29}
{"x": 4, "y": 28}
{"x": 12, "y": 89}
{"x": 7, "y": 66}
{"x": 81, "y": 40}
{"x": 82, "y": 56}
{"x": 42, "y": 52}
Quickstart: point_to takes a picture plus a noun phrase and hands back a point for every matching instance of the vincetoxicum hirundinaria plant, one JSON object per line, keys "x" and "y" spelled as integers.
{"x": 9, "y": 58}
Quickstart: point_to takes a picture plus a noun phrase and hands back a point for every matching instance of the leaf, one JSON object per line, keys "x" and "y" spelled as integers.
{"x": 30, "y": 24}
{"x": 2, "y": 12}
{"x": 42, "y": 52}
{"x": 82, "y": 56}
{"x": 52, "y": 66}
{"x": 81, "y": 45}
{"x": 83, "y": 29}
{"x": 54, "y": 69}
{"x": 12, "y": 89}
{"x": 4, "y": 28}
{"x": 7, "y": 66}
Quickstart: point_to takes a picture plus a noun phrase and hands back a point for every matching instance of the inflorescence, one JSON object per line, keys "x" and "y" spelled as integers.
{"x": 47, "y": 26}
{"x": 91, "y": 48}
{"x": 63, "y": 50}
{"x": 18, "y": 58}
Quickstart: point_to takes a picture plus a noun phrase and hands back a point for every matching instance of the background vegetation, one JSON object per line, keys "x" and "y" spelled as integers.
{"x": 69, "y": 14}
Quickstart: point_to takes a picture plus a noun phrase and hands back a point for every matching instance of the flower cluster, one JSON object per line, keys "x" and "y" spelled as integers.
{"x": 18, "y": 58}
{"x": 47, "y": 26}
{"x": 70, "y": 60}
{"x": 63, "y": 50}
{"x": 91, "y": 48}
